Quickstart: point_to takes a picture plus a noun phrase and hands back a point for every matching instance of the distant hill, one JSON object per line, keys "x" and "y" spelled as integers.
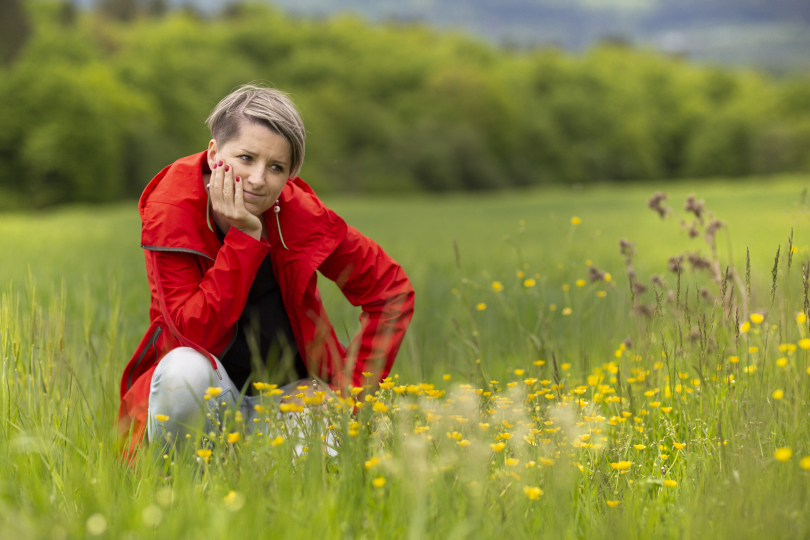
{"x": 771, "y": 34}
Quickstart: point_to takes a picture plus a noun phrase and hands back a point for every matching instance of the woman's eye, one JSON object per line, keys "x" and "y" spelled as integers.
{"x": 244, "y": 158}
{"x": 277, "y": 168}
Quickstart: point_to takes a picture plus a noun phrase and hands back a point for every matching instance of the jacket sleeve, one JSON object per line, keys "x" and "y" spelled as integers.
{"x": 205, "y": 305}
{"x": 370, "y": 278}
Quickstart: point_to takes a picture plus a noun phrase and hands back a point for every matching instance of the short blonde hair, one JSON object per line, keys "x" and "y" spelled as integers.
{"x": 267, "y": 106}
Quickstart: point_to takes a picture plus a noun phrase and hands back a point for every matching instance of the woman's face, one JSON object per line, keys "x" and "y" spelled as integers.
{"x": 261, "y": 158}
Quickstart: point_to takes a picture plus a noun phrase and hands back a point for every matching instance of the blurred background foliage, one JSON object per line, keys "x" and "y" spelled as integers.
{"x": 94, "y": 103}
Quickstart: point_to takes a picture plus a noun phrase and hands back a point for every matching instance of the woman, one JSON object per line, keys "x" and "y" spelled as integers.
{"x": 232, "y": 239}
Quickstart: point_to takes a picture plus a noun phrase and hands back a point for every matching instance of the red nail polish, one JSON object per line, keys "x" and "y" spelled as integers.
{"x": 227, "y": 168}
{"x": 220, "y": 163}
{"x": 214, "y": 167}
{"x": 237, "y": 178}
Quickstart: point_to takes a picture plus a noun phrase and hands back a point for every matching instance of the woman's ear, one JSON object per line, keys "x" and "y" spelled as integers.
{"x": 212, "y": 153}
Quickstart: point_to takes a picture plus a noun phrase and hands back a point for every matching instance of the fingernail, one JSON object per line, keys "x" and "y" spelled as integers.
{"x": 220, "y": 163}
{"x": 214, "y": 166}
{"x": 227, "y": 168}
{"x": 207, "y": 186}
{"x": 237, "y": 178}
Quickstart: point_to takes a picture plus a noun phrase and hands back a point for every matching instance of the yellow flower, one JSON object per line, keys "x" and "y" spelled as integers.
{"x": 519, "y": 372}
{"x": 373, "y": 462}
{"x": 213, "y": 391}
{"x": 778, "y": 394}
{"x": 484, "y": 426}
{"x": 733, "y": 359}
{"x": 601, "y": 294}
{"x": 565, "y": 367}
{"x": 161, "y": 417}
{"x": 805, "y": 463}
{"x": 539, "y": 362}
{"x": 277, "y": 441}
{"x": 566, "y": 311}
{"x": 752, "y": 350}
{"x": 552, "y": 307}
{"x": 233, "y": 438}
{"x": 378, "y": 482}
{"x": 379, "y": 407}
{"x": 204, "y": 454}
{"x": 639, "y": 446}
{"x": 621, "y": 465}
{"x": 781, "y": 362}
{"x": 566, "y": 286}
{"x": 529, "y": 283}
{"x": 666, "y": 409}
{"x": 801, "y": 318}
{"x": 670, "y": 483}
{"x": 580, "y": 283}
{"x": 612, "y": 504}
{"x": 804, "y": 343}
{"x": 512, "y": 462}
{"x": 607, "y": 277}
{"x": 463, "y": 443}
{"x": 575, "y": 220}
{"x": 481, "y": 307}
{"x": 497, "y": 447}
{"x": 520, "y": 274}
{"x": 783, "y": 454}
{"x": 679, "y": 445}
{"x": 756, "y": 318}
{"x": 497, "y": 286}
{"x": 533, "y": 493}
{"x": 446, "y": 376}
{"x": 356, "y": 390}
{"x": 745, "y": 327}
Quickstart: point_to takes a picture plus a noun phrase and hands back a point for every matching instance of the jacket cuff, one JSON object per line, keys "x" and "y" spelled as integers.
{"x": 238, "y": 239}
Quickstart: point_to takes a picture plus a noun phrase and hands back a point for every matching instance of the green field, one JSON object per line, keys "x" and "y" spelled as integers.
{"x": 74, "y": 304}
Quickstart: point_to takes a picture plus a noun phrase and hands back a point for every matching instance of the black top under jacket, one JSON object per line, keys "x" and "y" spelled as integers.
{"x": 265, "y": 323}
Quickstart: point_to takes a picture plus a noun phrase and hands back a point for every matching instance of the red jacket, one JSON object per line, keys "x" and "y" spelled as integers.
{"x": 199, "y": 285}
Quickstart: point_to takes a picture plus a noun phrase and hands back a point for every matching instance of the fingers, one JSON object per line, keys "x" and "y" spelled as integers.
{"x": 215, "y": 186}
{"x": 227, "y": 190}
{"x": 238, "y": 195}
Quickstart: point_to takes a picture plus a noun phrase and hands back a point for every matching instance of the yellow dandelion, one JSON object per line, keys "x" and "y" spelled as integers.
{"x": 733, "y": 359}
{"x": 778, "y": 394}
{"x": 213, "y": 391}
{"x": 565, "y": 367}
{"x": 378, "y": 482}
{"x": 756, "y": 318}
{"x": 601, "y": 294}
{"x": 233, "y": 438}
{"x": 607, "y": 277}
{"x": 446, "y": 376}
{"x": 497, "y": 286}
{"x": 497, "y": 447}
{"x": 639, "y": 446}
{"x": 575, "y": 220}
{"x": 519, "y": 372}
{"x": 745, "y": 327}
{"x": 566, "y": 311}
{"x": 512, "y": 462}
{"x": 529, "y": 283}
{"x": 277, "y": 441}
{"x": 373, "y": 462}
{"x": 379, "y": 407}
{"x": 204, "y": 454}
{"x": 612, "y": 504}
{"x": 801, "y": 318}
{"x": 753, "y": 350}
{"x": 621, "y": 465}
{"x": 679, "y": 445}
{"x": 566, "y": 287}
{"x": 539, "y": 362}
{"x": 552, "y": 307}
{"x": 781, "y": 362}
{"x": 463, "y": 443}
{"x": 670, "y": 483}
{"x": 580, "y": 283}
{"x": 804, "y": 343}
{"x": 533, "y": 493}
{"x": 481, "y": 306}
{"x": 666, "y": 409}
{"x": 483, "y": 426}
{"x": 783, "y": 454}
{"x": 161, "y": 417}
{"x": 805, "y": 463}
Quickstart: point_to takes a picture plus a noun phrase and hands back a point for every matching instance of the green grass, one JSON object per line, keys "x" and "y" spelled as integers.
{"x": 75, "y": 301}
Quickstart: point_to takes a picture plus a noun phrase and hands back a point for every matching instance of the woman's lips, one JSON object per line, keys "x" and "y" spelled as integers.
{"x": 250, "y": 195}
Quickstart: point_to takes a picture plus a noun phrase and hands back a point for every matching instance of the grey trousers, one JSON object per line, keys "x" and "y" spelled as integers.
{"x": 176, "y": 397}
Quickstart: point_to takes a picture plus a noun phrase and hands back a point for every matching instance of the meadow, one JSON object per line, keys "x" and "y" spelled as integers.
{"x": 541, "y": 390}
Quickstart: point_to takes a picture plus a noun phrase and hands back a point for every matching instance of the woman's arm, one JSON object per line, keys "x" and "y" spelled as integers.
{"x": 206, "y": 305}
{"x": 370, "y": 278}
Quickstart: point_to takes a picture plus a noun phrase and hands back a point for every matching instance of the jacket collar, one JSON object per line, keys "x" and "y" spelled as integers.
{"x": 173, "y": 213}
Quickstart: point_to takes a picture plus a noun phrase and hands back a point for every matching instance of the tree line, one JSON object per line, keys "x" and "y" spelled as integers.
{"x": 94, "y": 105}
